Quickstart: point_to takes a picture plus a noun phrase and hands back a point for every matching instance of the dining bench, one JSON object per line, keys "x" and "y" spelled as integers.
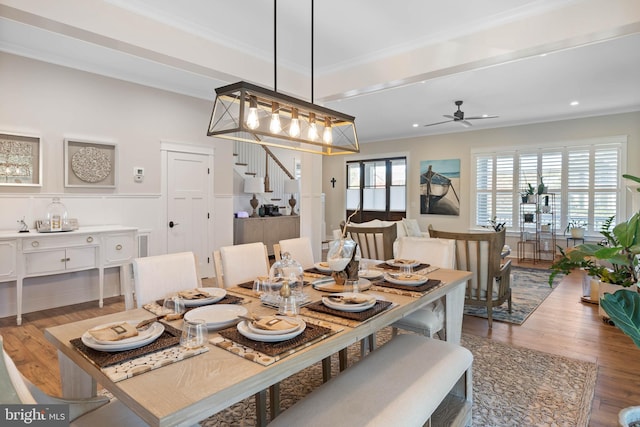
{"x": 409, "y": 381}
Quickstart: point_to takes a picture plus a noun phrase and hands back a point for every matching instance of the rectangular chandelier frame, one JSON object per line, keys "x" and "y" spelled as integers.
{"x": 246, "y": 112}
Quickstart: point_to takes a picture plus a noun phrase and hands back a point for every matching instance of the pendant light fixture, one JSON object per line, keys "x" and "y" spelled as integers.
{"x": 250, "y": 113}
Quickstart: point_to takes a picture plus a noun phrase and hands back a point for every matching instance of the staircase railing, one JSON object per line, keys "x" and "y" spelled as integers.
{"x": 259, "y": 160}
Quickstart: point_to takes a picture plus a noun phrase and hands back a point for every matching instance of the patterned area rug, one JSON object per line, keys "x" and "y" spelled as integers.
{"x": 529, "y": 287}
{"x": 512, "y": 386}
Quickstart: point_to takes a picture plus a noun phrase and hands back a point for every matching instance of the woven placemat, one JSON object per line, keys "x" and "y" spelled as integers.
{"x": 361, "y": 316}
{"x": 386, "y": 266}
{"x": 274, "y": 349}
{"x": 430, "y": 284}
{"x": 316, "y": 271}
{"x": 169, "y": 338}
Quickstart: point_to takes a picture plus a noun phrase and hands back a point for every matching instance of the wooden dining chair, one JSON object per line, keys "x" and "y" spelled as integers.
{"x": 156, "y": 276}
{"x": 374, "y": 242}
{"x": 480, "y": 253}
{"x": 299, "y": 248}
{"x": 429, "y": 319}
{"x": 92, "y": 412}
{"x": 240, "y": 263}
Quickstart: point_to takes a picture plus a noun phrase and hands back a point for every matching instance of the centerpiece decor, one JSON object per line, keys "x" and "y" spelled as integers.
{"x": 343, "y": 257}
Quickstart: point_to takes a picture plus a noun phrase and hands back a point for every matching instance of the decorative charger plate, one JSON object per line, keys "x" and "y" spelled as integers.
{"x": 402, "y": 262}
{"x": 245, "y": 331}
{"x": 370, "y": 273}
{"x": 404, "y": 279}
{"x": 323, "y": 266}
{"x": 329, "y": 285}
{"x": 216, "y": 295}
{"x": 143, "y": 338}
{"x": 297, "y": 324}
{"x": 217, "y": 316}
{"x": 354, "y": 308}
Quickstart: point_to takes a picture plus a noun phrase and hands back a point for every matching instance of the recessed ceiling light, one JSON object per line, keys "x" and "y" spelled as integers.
{"x": 415, "y": 125}
{"x": 574, "y": 103}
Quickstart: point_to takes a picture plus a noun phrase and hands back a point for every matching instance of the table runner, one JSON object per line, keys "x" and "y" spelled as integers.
{"x": 128, "y": 363}
{"x": 268, "y": 353}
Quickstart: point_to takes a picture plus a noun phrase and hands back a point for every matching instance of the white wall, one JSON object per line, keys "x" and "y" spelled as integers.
{"x": 459, "y": 145}
{"x": 55, "y": 102}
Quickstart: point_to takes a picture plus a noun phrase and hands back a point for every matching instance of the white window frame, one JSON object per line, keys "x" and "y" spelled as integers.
{"x": 618, "y": 141}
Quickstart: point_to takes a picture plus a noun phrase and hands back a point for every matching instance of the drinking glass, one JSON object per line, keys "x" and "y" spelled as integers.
{"x": 363, "y": 268}
{"x": 407, "y": 270}
{"x": 173, "y": 306}
{"x": 194, "y": 333}
{"x": 260, "y": 287}
{"x": 288, "y": 306}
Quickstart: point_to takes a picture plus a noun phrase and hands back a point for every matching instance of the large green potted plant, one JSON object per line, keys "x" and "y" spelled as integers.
{"x": 620, "y": 249}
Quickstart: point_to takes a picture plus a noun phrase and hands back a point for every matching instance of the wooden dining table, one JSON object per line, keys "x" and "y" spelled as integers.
{"x": 183, "y": 393}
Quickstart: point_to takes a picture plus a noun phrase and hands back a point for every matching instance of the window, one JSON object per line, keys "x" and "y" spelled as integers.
{"x": 378, "y": 187}
{"x": 585, "y": 176}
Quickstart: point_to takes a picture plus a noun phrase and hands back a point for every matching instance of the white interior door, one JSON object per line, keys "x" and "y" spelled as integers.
{"x": 188, "y": 184}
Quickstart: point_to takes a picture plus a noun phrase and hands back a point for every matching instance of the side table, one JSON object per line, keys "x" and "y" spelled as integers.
{"x": 575, "y": 240}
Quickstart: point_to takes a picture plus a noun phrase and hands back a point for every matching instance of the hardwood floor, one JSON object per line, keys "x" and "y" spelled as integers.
{"x": 561, "y": 325}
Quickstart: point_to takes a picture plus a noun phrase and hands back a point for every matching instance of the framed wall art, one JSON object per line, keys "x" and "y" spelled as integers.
{"x": 440, "y": 187}
{"x": 20, "y": 160}
{"x": 90, "y": 164}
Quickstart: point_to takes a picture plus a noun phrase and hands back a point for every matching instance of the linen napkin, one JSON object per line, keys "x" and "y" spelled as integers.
{"x": 404, "y": 261}
{"x": 350, "y": 299}
{"x": 273, "y": 323}
{"x": 116, "y": 332}
{"x": 193, "y": 294}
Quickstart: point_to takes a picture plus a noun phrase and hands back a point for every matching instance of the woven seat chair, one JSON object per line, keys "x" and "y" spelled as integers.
{"x": 479, "y": 253}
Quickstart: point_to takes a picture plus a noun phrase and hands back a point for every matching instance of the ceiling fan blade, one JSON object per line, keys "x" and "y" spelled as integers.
{"x": 448, "y": 116}
{"x": 464, "y": 123}
{"x": 438, "y": 123}
{"x": 481, "y": 117}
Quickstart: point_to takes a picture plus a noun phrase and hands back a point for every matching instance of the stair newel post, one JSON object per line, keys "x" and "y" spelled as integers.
{"x": 267, "y": 188}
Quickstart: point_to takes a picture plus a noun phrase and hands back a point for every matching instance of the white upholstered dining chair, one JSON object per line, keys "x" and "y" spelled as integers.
{"x": 92, "y": 412}
{"x": 299, "y": 248}
{"x": 156, "y": 276}
{"x": 240, "y": 263}
{"x": 429, "y": 319}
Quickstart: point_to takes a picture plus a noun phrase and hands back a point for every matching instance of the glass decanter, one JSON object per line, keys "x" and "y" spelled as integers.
{"x": 339, "y": 258}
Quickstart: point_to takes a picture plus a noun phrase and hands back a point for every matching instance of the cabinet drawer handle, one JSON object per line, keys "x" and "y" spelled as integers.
{"x": 35, "y": 243}
{"x": 118, "y": 247}
{"x": 89, "y": 239}
{"x": 63, "y": 260}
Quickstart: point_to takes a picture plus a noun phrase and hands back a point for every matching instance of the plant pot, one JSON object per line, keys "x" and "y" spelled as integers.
{"x": 524, "y": 199}
{"x": 528, "y": 217}
{"x": 531, "y": 198}
{"x": 629, "y": 416}
{"x": 577, "y": 233}
{"x": 609, "y": 288}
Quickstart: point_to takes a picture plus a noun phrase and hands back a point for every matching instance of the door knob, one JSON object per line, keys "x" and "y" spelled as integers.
{"x": 172, "y": 224}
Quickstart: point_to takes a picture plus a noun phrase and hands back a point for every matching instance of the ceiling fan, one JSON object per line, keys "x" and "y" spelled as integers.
{"x": 458, "y": 116}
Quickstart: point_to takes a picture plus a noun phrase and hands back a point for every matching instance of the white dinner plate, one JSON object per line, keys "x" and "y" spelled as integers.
{"x": 323, "y": 266}
{"x": 337, "y": 305}
{"x": 217, "y": 316}
{"x": 370, "y": 273}
{"x": 297, "y": 323}
{"x": 148, "y": 336}
{"x": 402, "y": 262}
{"x": 401, "y": 279}
{"x": 329, "y": 285}
{"x": 216, "y": 295}
{"x": 244, "y": 330}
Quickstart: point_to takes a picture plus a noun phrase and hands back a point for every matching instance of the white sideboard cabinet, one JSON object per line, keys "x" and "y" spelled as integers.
{"x": 35, "y": 254}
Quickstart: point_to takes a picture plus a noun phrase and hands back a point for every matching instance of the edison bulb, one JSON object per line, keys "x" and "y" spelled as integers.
{"x": 252, "y": 118}
{"x": 294, "y": 129}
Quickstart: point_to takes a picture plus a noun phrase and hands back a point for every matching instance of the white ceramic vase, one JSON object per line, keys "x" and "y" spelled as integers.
{"x": 629, "y": 415}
